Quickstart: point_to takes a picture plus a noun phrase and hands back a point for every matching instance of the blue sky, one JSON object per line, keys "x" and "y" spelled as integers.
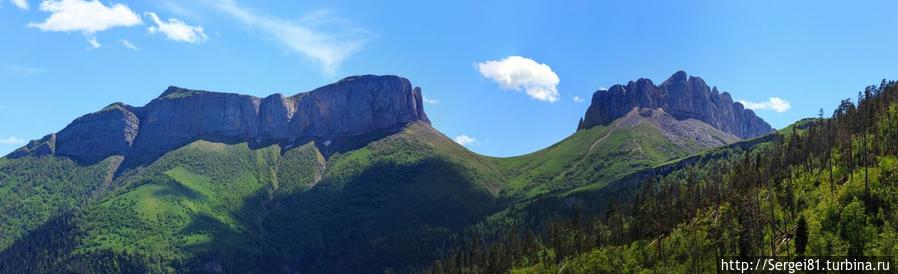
{"x": 62, "y": 59}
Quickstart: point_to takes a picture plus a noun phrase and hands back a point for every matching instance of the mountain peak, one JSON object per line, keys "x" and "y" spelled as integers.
{"x": 174, "y": 91}
{"x": 678, "y": 76}
{"x": 368, "y": 77}
{"x": 681, "y": 95}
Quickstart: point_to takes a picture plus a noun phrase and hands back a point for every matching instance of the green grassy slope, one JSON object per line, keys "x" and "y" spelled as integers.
{"x": 601, "y": 154}
{"x": 192, "y": 199}
{"x": 220, "y": 206}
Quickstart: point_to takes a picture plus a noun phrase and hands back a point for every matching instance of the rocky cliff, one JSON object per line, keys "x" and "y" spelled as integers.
{"x": 682, "y": 96}
{"x": 352, "y": 108}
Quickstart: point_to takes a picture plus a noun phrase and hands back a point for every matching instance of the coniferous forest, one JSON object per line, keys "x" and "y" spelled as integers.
{"x": 824, "y": 186}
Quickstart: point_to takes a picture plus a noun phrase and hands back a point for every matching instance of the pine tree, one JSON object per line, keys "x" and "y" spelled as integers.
{"x": 801, "y": 236}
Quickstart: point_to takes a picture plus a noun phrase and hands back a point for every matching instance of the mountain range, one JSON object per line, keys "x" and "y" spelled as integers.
{"x": 347, "y": 178}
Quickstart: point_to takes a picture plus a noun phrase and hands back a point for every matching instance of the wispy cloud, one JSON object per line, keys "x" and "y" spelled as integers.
{"x": 521, "y": 73}
{"x": 176, "y": 30}
{"x": 320, "y": 35}
{"x": 85, "y": 16}
{"x": 577, "y": 99}
{"x": 129, "y": 45}
{"x": 774, "y": 103}
{"x": 23, "y": 70}
{"x": 173, "y": 6}
{"x": 12, "y": 141}
{"x": 21, "y": 4}
{"x": 465, "y": 140}
{"x": 429, "y": 100}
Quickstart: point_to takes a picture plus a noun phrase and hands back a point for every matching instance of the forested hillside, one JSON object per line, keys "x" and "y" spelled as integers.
{"x": 826, "y": 186}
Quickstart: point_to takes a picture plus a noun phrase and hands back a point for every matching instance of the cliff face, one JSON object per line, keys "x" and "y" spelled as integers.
{"x": 683, "y": 97}
{"x": 354, "y": 106}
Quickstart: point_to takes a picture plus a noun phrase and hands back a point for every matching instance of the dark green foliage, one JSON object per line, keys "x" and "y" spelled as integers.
{"x": 35, "y": 189}
{"x": 801, "y": 236}
{"x": 387, "y": 216}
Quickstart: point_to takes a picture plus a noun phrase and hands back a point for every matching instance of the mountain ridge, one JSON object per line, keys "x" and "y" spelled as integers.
{"x": 353, "y": 107}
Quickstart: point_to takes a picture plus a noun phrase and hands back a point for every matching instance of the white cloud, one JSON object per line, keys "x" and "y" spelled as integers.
{"x": 12, "y": 141}
{"x": 429, "y": 100}
{"x": 177, "y": 30}
{"x": 21, "y": 4}
{"x": 578, "y": 99}
{"x": 306, "y": 37}
{"x": 521, "y": 73}
{"x": 465, "y": 140}
{"x": 85, "y": 16}
{"x": 129, "y": 45}
{"x": 774, "y": 103}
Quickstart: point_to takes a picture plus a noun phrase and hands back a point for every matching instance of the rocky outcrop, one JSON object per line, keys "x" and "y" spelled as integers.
{"x": 354, "y": 106}
{"x": 682, "y": 96}
{"x": 107, "y": 132}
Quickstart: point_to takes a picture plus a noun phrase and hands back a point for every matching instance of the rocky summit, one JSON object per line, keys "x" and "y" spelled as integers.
{"x": 683, "y": 97}
{"x": 356, "y": 106}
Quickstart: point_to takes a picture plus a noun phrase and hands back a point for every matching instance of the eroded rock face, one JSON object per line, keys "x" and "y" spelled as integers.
{"x": 364, "y": 105}
{"x": 173, "y": 120}
{"x": 683, "y": 97}
{"x": 354, "y": 106}
{"x": 275, "y": 113}
{"x": 110, "y": 131}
